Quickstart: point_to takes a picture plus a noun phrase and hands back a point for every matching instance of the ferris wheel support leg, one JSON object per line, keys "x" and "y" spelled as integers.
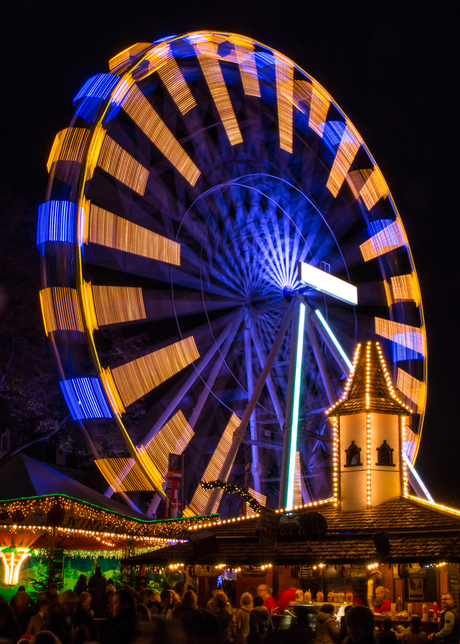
{"x": 253, "y": 421}
{"x": 238, "y": 436}
{"x": 270, "y": 385}
{"x": 319, "y": 360}
{"x": 318, "y": 323}
{"x": 205, "y": 393}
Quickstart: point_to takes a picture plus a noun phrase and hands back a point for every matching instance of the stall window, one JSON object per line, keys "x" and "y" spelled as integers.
{"x": 353, "y": 455}
{"x": 385, "y": 454}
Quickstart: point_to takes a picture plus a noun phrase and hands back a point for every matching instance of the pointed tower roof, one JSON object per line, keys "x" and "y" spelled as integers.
{"x": 369, "y": 387}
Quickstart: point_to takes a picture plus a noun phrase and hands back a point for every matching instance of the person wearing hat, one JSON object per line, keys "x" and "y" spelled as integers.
{"x": 58, "y": 617}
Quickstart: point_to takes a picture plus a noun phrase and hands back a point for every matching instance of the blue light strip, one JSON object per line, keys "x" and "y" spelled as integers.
{"x": 295, "y": 407}
{"x": 93, "y": 94}
{"x": 56, "y": 222}
{"x": 85, "y": 398}
{"x": 417, "y": 477}
{"x": 333, "y": 338}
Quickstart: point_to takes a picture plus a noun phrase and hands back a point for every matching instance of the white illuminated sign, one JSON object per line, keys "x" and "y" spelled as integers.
{"x": 327, "y": 283}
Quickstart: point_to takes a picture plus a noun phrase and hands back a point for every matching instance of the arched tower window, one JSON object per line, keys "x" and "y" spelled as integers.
{"x": 353, "y": 455}
{"x": 385, "y": 454}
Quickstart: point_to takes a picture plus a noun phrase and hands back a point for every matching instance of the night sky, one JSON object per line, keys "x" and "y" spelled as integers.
{"x": 391, "y": 66}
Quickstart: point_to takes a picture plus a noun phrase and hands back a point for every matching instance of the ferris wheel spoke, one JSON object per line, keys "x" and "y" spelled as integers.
{"x": 253, "y": 420}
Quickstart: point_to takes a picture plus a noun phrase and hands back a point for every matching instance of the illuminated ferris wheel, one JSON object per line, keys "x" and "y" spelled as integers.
{"x": 194, "y": 180}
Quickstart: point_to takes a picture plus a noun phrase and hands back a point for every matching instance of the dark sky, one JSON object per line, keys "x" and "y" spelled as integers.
{"x": 391, "y": 66}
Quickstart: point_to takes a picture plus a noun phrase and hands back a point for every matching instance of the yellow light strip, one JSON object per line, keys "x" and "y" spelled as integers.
{"x": 123, "y": 474}
{"x": 374, "y": 189}
{"x": 384, "y": 241}
{"x": 115, "y": 304}
{"x": 284, "y": 72}
{"x": 403, "y": 460}
{"x": 261, "y": 498}
{"x": 161, "y": 60}
{"x": 136, "y": 378}
{"x": 128, "y": 54}
{"x": 403, "y": 334}
{"x": 172, "y": 438}
{"x": 88, "y": 306}
{"x": 406, "y": 288}
{"x": 248, "y": 69}
{"x": 112, "y": 391}
{"x": 121, "y": 165}
{"x": 319, "y": 107}
{"x": 143, "y": 114}
{"x": 437, "y": 506}
{"x": 68, "y": 145}
{"x": 107, "y": 229}
{"x": 368, "y": 460}
{"x": 412, "y": 388}
{"x": 213, "y": 469}
{"x": 60, "y": 309}
{"x": 335, "y": 459}
{"x": 348, "y": 148}
{"x": 210, "y": 66}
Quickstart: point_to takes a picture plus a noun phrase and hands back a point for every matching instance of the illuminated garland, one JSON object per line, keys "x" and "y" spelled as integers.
{"x": 50, "y": 511}
{"x": 233, "y": 489}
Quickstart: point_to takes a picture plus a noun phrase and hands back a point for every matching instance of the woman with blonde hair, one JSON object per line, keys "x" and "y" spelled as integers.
{"x": 382, "y": 603}
{"x": 242, "y": 618}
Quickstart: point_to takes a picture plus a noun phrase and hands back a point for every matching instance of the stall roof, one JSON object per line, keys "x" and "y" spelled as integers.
{"x": 415, "y": 531}
{"x": 21, "y": 477}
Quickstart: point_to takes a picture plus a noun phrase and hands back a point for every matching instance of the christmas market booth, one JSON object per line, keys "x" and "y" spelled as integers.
{"x": 53, "y": 527}
{"x": 373, "y": 531}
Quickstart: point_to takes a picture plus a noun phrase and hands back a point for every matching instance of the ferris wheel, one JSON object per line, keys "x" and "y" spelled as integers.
{"x": 194, "y": 179}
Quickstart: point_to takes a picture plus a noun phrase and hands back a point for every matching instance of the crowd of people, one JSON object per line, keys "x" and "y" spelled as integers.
{"x": 96, "y": 611}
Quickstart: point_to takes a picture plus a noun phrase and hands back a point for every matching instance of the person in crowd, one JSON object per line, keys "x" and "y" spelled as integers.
{"x": 81, "y": 586}
{"x": 415, "y": 635}
{"x": 242, "y": 618}
{"x": 84, "y": 615}
{"x": 327, "y": 631}
{"x": 143, "y": 613}
{"x": 260, "y": 623}
{"x": 45, "y": 637}
{"x": 22, "y": 610}
{"x": 449, "y": 625}
{"x": 106, "y": 606}
{"x": 360, "y": 625}
{"x": 190, "y": 618}
{"x": 386, "y": 635}
{"x": 51, "y": 594}
{"x": 382, "y": 602}
{"x": 287, "y": 596}
{"x": 123, "y": 627}
{"x": 151, "y": 600}
{"x": 58, "y": 618}
{"x": 98, "y": 581}
{"x": 299, "y": 632}
{"x": 268, "y": 600}
{"x": 343, "y": 623}
{"x": 224, "y": 619}
{"x": 166, "y": 602}
{"x": 9, "y": 628}
{"x": 35, "y": 624}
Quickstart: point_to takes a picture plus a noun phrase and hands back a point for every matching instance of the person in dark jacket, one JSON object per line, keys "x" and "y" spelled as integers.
{"x": 224, "y": 619}
{"x": 449, "y": 627}
{"x": 58, "y": 617}
{"x": 84, "y": 615}
{"x": 386, "y": 635}
{"x": 123, "y": 627}
{"x": 360, "y": 625}
{"x": 81, "y": 586}
{"x": 98, "y": 581}
{"x": 327, "y": 631}
{"x": 415, "y": 634}
{"x": 9, "y": 628}
{"x": 260, "y": 623}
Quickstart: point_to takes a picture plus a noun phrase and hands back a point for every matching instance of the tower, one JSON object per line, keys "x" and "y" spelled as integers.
{"x": 368, "y": 423}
